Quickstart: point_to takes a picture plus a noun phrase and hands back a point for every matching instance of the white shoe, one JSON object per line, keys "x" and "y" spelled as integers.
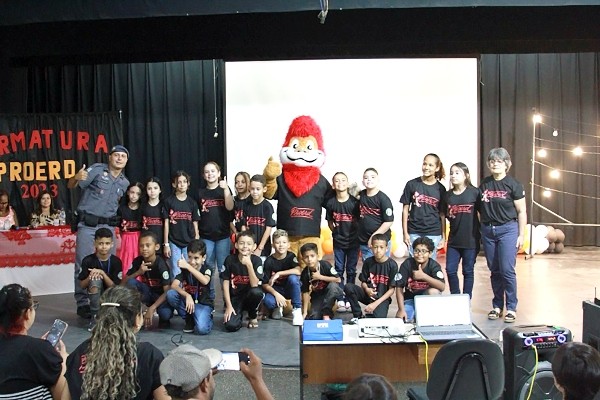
{"x": 341, "y": 307}
{"x": 297, "y": 318}
{"x": 277, "y": 313}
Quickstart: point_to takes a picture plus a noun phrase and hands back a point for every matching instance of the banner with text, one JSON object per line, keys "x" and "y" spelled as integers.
{"x": 40, "y": 152}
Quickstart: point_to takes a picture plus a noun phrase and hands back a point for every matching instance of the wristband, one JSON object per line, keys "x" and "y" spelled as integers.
{"x": 166, "y": 244}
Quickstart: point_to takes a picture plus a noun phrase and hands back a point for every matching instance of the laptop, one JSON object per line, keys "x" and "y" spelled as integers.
{"x": 444, "y": 317}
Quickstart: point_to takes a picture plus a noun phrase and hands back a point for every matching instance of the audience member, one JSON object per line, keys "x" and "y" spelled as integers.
{"x": 188, "y": 373}
{"x": 112, "y": 364}
{"x": 576, "y": 369}
{"x": 30, "y": 367}
{"x": 8, "y": 216}
{"x": 370, "y": 387}
{"x": 45, "y": 213}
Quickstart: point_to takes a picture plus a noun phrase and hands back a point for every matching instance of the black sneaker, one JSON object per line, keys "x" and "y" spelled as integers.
{"x": 92, "y": 324}
{"x": 84, "y": 312}
{"x": 189, "y": 324}
{"x": 164, "y": 323}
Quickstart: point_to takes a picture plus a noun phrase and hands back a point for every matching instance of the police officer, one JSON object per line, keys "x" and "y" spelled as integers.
{"x": 102, "y": 187}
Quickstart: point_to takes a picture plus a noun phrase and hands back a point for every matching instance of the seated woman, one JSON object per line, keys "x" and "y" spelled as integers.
{"x": 44, "y": 214}
{"x": 8, "y": 216}
{"x": 31, "y": 367}
{"x": 112, "y": 364}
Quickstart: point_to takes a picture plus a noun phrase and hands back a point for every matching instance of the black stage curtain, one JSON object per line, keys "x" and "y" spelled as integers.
{"x": 168, "y": 110}
{"x": 564, "y": 89}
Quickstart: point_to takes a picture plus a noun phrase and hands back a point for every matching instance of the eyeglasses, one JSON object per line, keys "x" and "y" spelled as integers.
{"x": 496, "y": 161}
{"x": 35, "y": 304}
{"x": 420, "y": 251}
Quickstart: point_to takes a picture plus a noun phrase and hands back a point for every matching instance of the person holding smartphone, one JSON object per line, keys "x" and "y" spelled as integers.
{"x": 30, "y": 367}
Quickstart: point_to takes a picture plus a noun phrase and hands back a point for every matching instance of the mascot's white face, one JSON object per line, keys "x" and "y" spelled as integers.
{"x": 302, "y": 152}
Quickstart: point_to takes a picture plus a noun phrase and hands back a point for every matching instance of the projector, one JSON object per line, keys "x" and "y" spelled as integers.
{"x": 381, "y": 327}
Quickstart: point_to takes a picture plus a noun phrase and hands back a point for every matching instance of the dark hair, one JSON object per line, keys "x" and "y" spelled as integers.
{"x": 140, "y": 186}
{"x": 424, "y": 240}
{"x": 440, "y": 173}
{"x": 306, "y": 247}
{"x": 177, "y": 392}
{"x": 102, "y": 233}
{"x": 379, "y": 236}
{"x": 465, "y": 171}
{"x": 370, "y": 169}
{"x": 4, "y": 193}
{"x": 370, "y": 387}
{"x": 179, "y": 173}
{"x": 197, "y": 246}
{"x": 576, "y": 367}
{"x": 15, "y": 300}
{"x": 246, "y": 177}
{"x": 341, "y": 173}
{"x": 259, "y": 178}
{"x": 38, "y": 208}
{"x": 245, "y": 233}
{"x": 151, "y": 234}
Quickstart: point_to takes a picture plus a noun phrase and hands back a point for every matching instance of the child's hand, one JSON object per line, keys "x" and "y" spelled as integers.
{"x": 418, "y": 273}
{"x": 167, "y": 251}
{"x": 95, "y": 274}
{"x": 369, "y": 309}
{"x": 183, "y": 264}
{"x": 281, "y": 302}
{"x": 371, "y": 293}
{"x": 401, "y": 314}
{"x": 148, "y": 317}
{"x": 229, "y": 311}
{"x": 257, "y": 252}
{"x": 407, "y": 240}
{"x": 316, "y": 276}
{"x": 223, "y": 183}
{"x": 247, "y": 261}
{"x": 274, "y": 279}
{"x": 145, "y": 267}
{"x": 189, "y": 304}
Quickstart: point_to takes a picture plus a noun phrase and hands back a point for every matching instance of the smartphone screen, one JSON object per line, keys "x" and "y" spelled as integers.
{"x": 231, "y": 361}
{"x": 56, "y": 332}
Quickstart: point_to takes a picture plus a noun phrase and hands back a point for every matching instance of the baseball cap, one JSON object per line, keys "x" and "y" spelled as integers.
{"x": 186, "y": 366}
{"x": 120, "y": 148}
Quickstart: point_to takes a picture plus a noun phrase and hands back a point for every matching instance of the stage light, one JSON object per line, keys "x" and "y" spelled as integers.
{"x": 546, "y": 193}
{"x": 555, "y": 174}
{"x": 577, "y": 151}
{"x": 542, "y": 153}
{"x": 555, "y": 133}
{"x": 537, "y": 118}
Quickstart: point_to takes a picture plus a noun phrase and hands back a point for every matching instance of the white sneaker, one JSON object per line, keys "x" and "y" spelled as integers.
{"x": 277, "y": 313}
{"x": 297, "y": 318}
{"x": 341, "y": 307}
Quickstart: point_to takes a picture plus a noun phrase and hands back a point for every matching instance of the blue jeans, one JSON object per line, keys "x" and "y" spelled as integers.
{"x": 453, "y": 257}
{"x": 409, "y": 307}
{"x": 365, "y": 251}
{"x": 165, "y": 312}
{"x": 291, "y": 291}
{"x": 500, "y": 247}
{"x": 345, "y": 259}
{"x": 436, "y": 240}
{"x": 203, "y": 319}
{"x": 216, "y": 253}
{"x": 176, "y": 254}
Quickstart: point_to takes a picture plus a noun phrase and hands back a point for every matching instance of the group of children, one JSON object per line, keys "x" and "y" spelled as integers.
{"x": 261, "y": 271}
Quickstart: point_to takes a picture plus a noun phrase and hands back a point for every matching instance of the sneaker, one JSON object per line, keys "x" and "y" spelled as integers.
{"x": 348, "y": 307}
{"x": 510, "y": 316}
{"x": 189, "y": 324}
{"x": 92, "y": 324}
{"x": 495, "y": 313}
{"x": 341, "y": 307}
{"x": 297, "y": 318}
{"x": 277, "y": 313}
{"x": 353, "y": 321}
{"x": 164, "y": 324}
{"x": 84, "y": 312}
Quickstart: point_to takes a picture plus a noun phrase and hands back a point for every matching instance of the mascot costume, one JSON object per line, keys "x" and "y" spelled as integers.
{"x": 297, "y": 184}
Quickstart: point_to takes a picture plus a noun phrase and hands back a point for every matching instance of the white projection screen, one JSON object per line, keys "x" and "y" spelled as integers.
{"x": 381, "y": 113}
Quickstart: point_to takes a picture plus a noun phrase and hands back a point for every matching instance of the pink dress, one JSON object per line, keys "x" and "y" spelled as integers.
{"x": 7, "y": 221}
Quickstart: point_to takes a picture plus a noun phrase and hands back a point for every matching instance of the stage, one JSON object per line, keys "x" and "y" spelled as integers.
{"x": 551, "y": 288}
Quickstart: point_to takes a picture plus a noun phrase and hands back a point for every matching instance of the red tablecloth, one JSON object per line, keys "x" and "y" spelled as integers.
{"x": 49, "y": 245}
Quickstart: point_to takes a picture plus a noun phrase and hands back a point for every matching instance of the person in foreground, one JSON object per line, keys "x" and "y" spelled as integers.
{"x": 188, "y": 373}
{"x": 111, "y": 364}
{"x": 576, "y": 370}
{"x": 370, "y": 387}
{"x": 30, "y": 368}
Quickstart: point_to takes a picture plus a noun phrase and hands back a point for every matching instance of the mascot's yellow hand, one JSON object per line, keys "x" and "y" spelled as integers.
{"x": 272, "y": 170}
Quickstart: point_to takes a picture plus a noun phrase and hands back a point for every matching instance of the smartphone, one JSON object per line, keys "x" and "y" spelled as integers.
{"x": 231, "y": 361}
{"x": 244, "y": 357}
{"x": 56, "y": 332}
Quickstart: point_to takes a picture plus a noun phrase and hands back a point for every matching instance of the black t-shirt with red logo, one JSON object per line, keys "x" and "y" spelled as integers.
{"x": 198, "y": 291}
{"x": 324, "y": 269}
{"x": 112, "y": 267}
{"x": 237, "y": 274}
{"x": 131, "y": 220}
{"x": 345, "y": 215}
{"x": 411, "y": 286}
{"x": 238, "y": 211}
{"x": 497, "y": 199}
{"x": 158, "y": 276}
{"x": 257, "y": 217}
{"x": 181, "y": 214}
{"x": 215, "y": 216}
{"x": 426, "y": 202}
{"x": 374, "y": 211}
{"x": 463, "y": 218}
{"x": 273, "y": 266}
{"x": 153, "y": 218}
{"x": 301, "y": 216}
{"x": 379, "y": 276}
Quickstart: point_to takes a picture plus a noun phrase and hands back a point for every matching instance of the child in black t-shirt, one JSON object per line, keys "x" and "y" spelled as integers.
{"x": 418, "y": 274}
{"x": 153, "y": 209}
{"x": 242, "y": 275}
{"x": 149, "y": 274}
{"x": 282, "y": 279}
{"x": 320, "y": 284}
{"x": 100, "y": 270}
{"x": 377, "y": 282}
{"x": 259, "y": 216}
{"x": 189, "y": 293}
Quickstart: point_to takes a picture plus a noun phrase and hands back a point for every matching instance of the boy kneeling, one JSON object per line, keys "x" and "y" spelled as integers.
{"x": 320, "y": 284}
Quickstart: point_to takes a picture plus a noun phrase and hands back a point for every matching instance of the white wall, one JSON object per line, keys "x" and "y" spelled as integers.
{"x": 385, "y": 114}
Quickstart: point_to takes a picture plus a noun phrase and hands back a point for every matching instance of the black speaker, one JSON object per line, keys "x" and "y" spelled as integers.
{"x": 519, "y": 361}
